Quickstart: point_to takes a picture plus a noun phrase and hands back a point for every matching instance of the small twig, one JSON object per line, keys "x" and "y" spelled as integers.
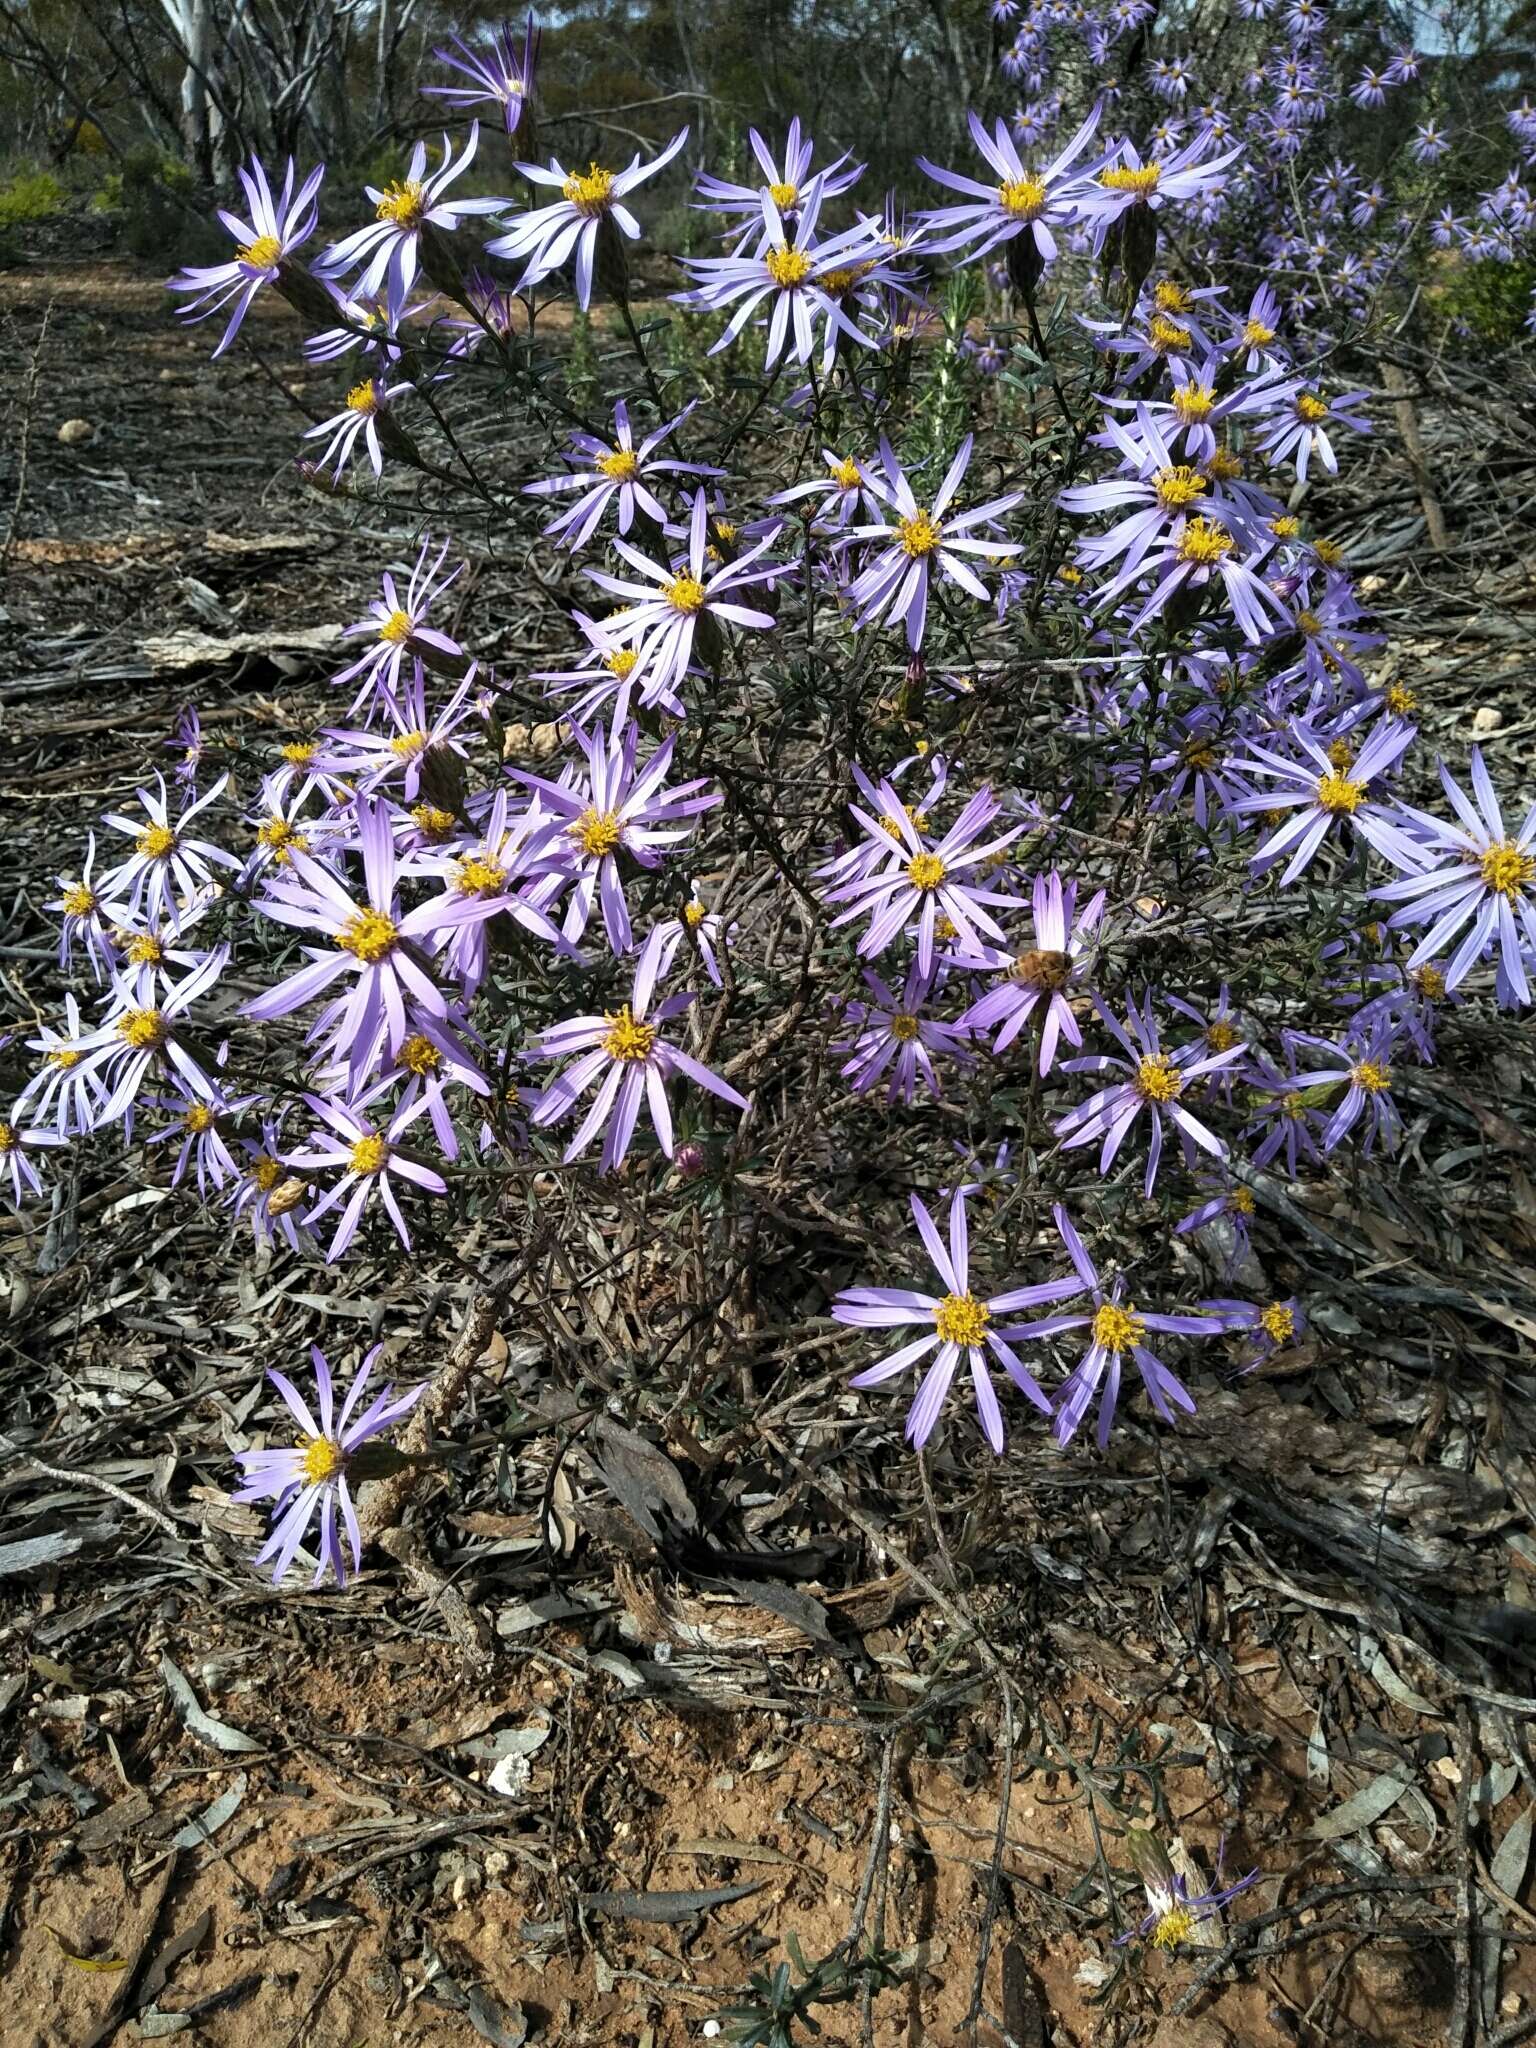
{"x": 66, "y": 1477}
{"x": 24, "y": 444}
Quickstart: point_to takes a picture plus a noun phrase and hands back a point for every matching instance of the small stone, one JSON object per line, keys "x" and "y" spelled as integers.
{"x": 75, "y": 433}
{"x": 1510, "y": 2004}
{"x": 1486, "y": 718}
{"x": 169, "y": 377}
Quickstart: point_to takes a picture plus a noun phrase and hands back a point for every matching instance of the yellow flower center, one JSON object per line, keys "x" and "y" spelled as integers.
{"x": 405, "y": 746}
{"x": 1336, "y": 793}
{"x": 1430, "y": 983}
{"x": 1022, "y": 198}
{"x": 431, "y": 822}
{"x": 1506, "y": 870}
{"x": 1172, "y": 298}
{"x": 64, "y": 1058}
{"x": 1193, "y": 402}
{"x": 1179, "y": 487}
{"x": 79, "y": 901}
{"x": 589, "y": 191}
{"x": 1224, "y": 465}
{"x": 280, "y": 835}
{"x": 597, "y": 833}
{"x": 299, "y": 753}
{"x": 694, "y": 915}
{"x": 787, "y": 267}
{"x": 628, "y": 1038}
{"x": 1220, "y": 1035}
{"x": 155, "y": 842}
{"x": 1204, "y": 542}
{"x": 265, "y": 253}
{"x": 784, "y": 196}
{"x": 477, "y": 874}
{"x": 961, "y": 1319}
{"x": 1167, "y": 336}
{"x": 369, "y": 1155}
{"x": 396, "y": 629}
{"x": 265, "y": 1172}
{"x": 1198, "y": 754}
{"x": 925, "y": 871}
{"x": 622, "y": 662}
{"x": 1141, "y": 184}
{"x": 404, "y": 203}
{"x": 836, "y": 282}
{"x": 199, "y": 1118}
{"x": 904, "y": 1027}
{"x": 1371, "y": 1076}
{"x": 845, "y": 474}
{"x": 322, "y": 1458}
{"x": 145, "y": 950}
{"x": 686, "y": 594}
{"x": 1042, "y": 969}
{"x": 419, "y": 1055}
{"x": 369, "y": 937}
{"x": 1174, "y": 1927}
{"x": 919, "y": 534}
{"x": 1257, "y": 335}
{"x": 1158, "y": 1079}
{"x": 1241, "y": 1202}
{"x": 1286, "y": 527}
{"x": 8, "y": 1138}
{"x": 1116, "y": 1328}
{"x": 621, "y": 465}
{"x": 1328, "y": 552}
{"x": 363, "y": 397}
{"x": 1278, "y": 1322}
{"x": 1310, "y": 409}
{"x": 144, "y": 1030}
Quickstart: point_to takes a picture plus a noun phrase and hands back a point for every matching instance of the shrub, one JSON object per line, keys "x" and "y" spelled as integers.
{"x": 32, "y": 195}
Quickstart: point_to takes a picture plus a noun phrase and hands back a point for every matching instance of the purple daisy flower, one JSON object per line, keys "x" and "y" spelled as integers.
{"x": 168, "y": 869}
{"x": 1363, "y": 1065}
{"x": 1047, "y": 972}
{"x": 892, "y": 1035}
{"x": 1302, "y": 432}
{"x": 1229, "y": 1213}
{"x": 1185, "y": 174}
{"x": 1318, "y": 792}
{"x": 398, "y": 627}
{"x": 546, "y": 239}
{"x": 418, "y": 740}
{"x": 893, "y": 587}
{"x": 74, "y": 1090}
{"x": 1021, "y": 201}
{"x": 672, "y": 610}
{"x": 1474, "y": 875}
{"x": 1116, "y": 1326}
{"x": 620, "y": 807}
{"x": 604, "y": 472}
{"x": 203, "y": 1128}
{"x": 373, "y": 940}
{"x": 960, "y": 1328}
{"x": 369, "y": 1158}
{"x": 387, "y": 252}
{"x": 623, "y": 1052}
{"x": 276, "y": 228}
{"x": 1155, "y": 1081}
{"x": 314, "y": 1473}
{"x": 83, "y": 921}
{"x": 365, "y": 415}
{"x": 17, "y": 1171}
{"x": 785, "y": 180}
{"x": 787, "y": 268}
{"x": 138, "y": 1040}
{"x": 502, "y": 76}
{"x": 923, "y": 882}
{"x": 1175, "y": 1908}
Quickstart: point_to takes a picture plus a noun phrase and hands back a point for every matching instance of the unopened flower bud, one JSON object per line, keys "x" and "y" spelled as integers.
{"x": 688, "y": 1162}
